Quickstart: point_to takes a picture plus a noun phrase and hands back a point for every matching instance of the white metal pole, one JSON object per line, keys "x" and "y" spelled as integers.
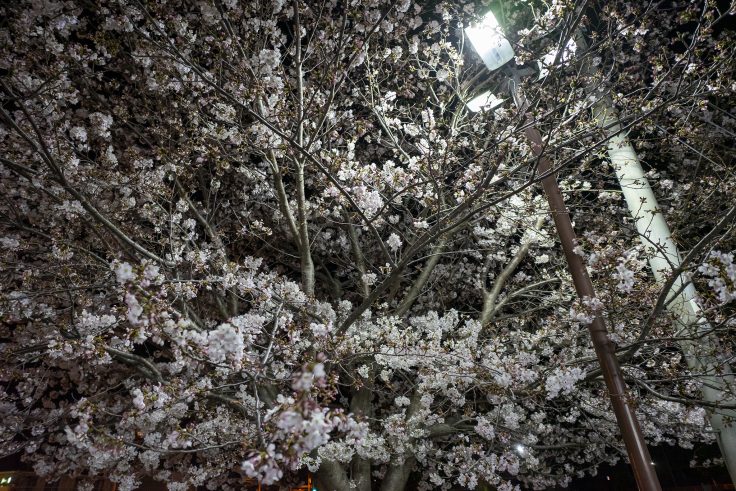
{"x": 664, "y": 257}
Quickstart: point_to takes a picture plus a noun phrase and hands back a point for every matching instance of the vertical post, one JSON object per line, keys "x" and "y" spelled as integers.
{"x": 641, "y": 461}
{"x": 698, "y": 343}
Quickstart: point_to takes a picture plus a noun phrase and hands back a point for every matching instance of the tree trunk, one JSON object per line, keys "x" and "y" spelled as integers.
{"x": 398, "y": 475}
{"x": 360, "y": 467}
{"x": 332, "y": 477}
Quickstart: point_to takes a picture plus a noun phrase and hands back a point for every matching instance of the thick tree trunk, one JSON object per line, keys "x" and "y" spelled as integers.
{"x": 398, "y": 475}
{"x": 360, "y": 467}
{"x": 331, "y": 477}
{"x": 361, "y": 471}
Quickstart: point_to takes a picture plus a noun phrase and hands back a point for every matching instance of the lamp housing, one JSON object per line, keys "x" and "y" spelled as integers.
{"x": 490, "y": 43}
{"x": 486, "y": 101}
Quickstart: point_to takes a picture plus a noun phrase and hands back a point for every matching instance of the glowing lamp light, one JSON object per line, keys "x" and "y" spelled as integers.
{"x": 486, "y": 101}
{"x": 490, "y": 43}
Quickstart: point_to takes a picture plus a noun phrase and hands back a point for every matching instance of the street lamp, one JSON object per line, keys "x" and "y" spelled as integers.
{"x": 495, "y": 51}
{"x": 490, "y": 43}
{"x": 486, "y": 101}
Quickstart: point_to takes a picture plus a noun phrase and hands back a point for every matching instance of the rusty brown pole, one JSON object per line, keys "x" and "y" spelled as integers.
{"x": 636, "y": 447}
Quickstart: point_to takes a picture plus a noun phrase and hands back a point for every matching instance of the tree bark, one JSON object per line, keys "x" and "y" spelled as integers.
{"x": 398, "y": 475}
{"x": 332, "y": 477}
{"x": 361, "y": 468}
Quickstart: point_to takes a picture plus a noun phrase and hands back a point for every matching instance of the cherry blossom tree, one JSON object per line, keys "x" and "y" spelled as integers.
{"x": 244, "y": 239}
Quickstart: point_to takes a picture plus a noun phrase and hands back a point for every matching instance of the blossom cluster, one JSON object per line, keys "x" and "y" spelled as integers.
{"x": 242, "y": 239}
